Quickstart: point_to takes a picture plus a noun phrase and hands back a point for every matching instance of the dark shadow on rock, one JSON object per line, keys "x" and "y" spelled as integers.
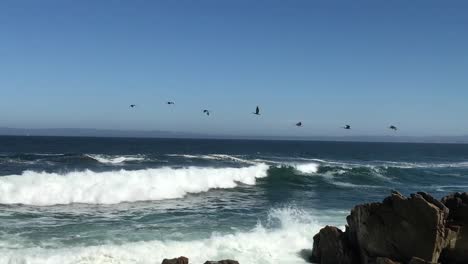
{"x": 305, "y": 254}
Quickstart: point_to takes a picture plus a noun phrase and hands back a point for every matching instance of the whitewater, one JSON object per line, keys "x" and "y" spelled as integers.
{"x": 261, "y": 244}
{"x": 41, "y": 188}
{"x": 138, "y": 201}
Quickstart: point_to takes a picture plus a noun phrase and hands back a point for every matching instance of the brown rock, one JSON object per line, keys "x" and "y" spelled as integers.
{"x": 179, "y": 260}
{"x": 456, "y": 250}
{"x": 331, "y": 246}
{"x": 399, "y": 228}
{"x": 226, "y": 261}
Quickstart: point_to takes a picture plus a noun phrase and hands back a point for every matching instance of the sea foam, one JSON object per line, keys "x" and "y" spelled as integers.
{"x": 293, "y": 232}
{"x": 42, "y": 188}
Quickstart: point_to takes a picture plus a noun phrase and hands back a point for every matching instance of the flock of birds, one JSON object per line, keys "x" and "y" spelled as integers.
{"x": 257, "y": 112}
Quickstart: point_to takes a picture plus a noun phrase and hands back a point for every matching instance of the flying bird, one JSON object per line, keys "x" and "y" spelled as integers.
{"x": 257, "y": 111}
{"x": 299, "y": 124}
{"x": 392, "y": 127}
{"x": 132, "y": 105}
{"x": 347, "y": 127}
{"x": 170, "y": 103}
{"x": 207, "y": 112}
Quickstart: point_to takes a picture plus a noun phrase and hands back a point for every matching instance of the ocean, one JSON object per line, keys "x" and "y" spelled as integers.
{"x": 121, "y": 200}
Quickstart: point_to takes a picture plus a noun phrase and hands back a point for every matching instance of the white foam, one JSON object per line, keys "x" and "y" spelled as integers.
{"x": 262, "y": 244}
{"x": 114, "y": 160}
{"x": 352, "y": 185}
{"x": 307, "y": 168}
{"x": 214, "y": 157}
{"x": 41, "y": 188}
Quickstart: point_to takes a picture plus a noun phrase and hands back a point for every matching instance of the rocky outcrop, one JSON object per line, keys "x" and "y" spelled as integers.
{"x": 332, "y": 246}
{"x": 179, "y": 260}
{"x": 399, "y": 228}
{"x": 456, "y": 250}
{"x": 415, "y": 229}
{"x": 226, "y": 261}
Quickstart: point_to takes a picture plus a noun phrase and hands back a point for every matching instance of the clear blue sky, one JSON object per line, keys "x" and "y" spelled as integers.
{"x": 327, "y": 63}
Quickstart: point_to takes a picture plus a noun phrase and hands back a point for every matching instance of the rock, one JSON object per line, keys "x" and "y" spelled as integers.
{"x": 416, "y": 260}
{"x": 456, "y": 250}
{"x": 399, "y": 228}
{"x": 226, "y": 261}
{"x": 381, "y": 260}
{"x": 331, "y": 246}
{"x": 179, "y": 260}
{"x": 457, "y": 203}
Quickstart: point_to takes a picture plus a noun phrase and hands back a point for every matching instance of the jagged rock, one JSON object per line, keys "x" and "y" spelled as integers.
{"x": 331, "y": 246}
{"x": 179, "y": 260}
{"x": 381, "y": 260}
{"x": 456, "y": 250}
{"x": 226, "y": 261}
{"x": 399, "y": 228}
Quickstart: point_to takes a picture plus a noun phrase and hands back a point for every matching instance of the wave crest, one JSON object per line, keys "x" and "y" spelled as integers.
{"x": 114, "y": 159}
{"x": 41, "y": 188}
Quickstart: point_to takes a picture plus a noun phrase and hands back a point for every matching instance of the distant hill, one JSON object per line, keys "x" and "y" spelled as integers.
{"x": 88, "y": 132}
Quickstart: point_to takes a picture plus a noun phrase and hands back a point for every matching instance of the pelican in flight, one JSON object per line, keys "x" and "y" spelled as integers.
{"x": 132, "y": 105}
{"x": 257, "y": 111}
{"x": 299, "y": 124}
{"x": 170, "y": 103}
{"x": 392, "y": 127}
{"x": 207, "y": 112}
{"x": 347, "y": 127}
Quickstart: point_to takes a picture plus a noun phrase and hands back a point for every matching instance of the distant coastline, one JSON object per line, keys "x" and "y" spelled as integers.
{"x": 114, "y": 133}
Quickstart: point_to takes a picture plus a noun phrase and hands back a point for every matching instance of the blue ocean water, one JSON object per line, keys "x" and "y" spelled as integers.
{"x": 115, "y": 200}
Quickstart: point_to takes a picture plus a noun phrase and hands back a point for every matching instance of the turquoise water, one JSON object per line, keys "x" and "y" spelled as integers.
{"x": 97, "y": 200}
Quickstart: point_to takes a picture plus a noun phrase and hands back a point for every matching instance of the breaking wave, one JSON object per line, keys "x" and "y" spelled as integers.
{"x": 279, "y": 240}
{"x": 41, "y": 188}
{"x": 114, "y": 160}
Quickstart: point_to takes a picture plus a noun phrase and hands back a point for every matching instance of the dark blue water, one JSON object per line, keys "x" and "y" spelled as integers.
{"x": 112, "y": 200}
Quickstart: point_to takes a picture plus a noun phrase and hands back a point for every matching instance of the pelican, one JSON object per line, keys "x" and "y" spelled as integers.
{"x": 347, "y": 127}
{"x": 257, "y": 111}
{"x": 207, "y": 112}
{"x": 392, "y": 127}
{"x": 170, "y": 103}
{"x": 299, "y": 124}
{"x": 132, "y": 105}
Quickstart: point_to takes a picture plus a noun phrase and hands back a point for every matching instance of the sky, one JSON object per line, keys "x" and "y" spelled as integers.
{"x": 80, "y": 64}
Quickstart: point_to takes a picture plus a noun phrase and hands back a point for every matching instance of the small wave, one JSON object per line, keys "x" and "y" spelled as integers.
{"x": 293, "y": 231}
{"x": 41, "y": 188}
{"x": 114, "y": 160}
{"x": 184, "y": 156}
{"x": 224, "y": 157}
{"x": 47, "y": 154}
{"x": 352, "y": 185}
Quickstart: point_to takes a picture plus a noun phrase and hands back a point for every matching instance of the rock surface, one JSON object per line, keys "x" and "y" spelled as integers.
{"x": 331, "y": 246}
{"x": 381, "y": 260}
{"x": 226, "y": 261}
{"x": 411, "y": 230}
{"x": 179, "y": 260}
{"x": 399, "y": 228}
{"x": 416, "y": 260}
{"x": 456, "y": 250}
